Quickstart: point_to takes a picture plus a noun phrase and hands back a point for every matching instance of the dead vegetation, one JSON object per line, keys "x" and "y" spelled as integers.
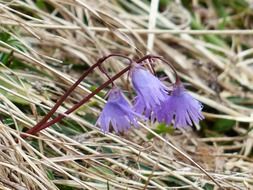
{"x": 46, "y": 44}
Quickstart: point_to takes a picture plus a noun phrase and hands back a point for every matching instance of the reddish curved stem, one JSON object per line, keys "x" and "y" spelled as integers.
{"x": 76, "y": 106}
{"x": 69, "y": 91}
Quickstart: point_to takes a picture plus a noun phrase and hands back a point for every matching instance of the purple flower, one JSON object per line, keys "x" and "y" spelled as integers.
{"x": 151, "y": 92}
{"x": 117, "y": 113}
{"x": 180, "y": 106}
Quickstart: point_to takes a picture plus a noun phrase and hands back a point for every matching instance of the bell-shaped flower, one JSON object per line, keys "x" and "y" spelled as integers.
{"x": 117, "y": 113}
{"x": 151, "y": 92}
{"x": 180, "y": 106}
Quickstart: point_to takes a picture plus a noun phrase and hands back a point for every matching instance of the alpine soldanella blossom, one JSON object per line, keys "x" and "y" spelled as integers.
{"x": 181, "y": 107}
{"x": 151, "y": 92}
{"x": 117, "y": 113}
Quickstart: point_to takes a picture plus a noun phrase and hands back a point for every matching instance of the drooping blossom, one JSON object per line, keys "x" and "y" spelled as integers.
{"x": 151, "y": 92}
{"x": 117, "y": 113}
{"x": 181, "y": 107}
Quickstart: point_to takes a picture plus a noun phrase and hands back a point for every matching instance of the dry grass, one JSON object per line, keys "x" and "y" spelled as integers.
{"x": 49, "y": 44}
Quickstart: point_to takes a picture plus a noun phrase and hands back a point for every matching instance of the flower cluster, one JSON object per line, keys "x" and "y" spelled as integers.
{"x": 154, "y": 100}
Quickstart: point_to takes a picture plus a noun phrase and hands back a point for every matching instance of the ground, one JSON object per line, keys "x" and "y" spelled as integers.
{"x": 46, "y": 45}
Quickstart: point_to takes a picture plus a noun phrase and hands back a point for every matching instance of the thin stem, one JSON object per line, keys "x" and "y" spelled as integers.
{"x": 146, "y": 57}
{"x": 68, "y": 92}
{"x": 106, "y": 74}
{"x": 170, "y": 65}
{"x": 76, "y": 106}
